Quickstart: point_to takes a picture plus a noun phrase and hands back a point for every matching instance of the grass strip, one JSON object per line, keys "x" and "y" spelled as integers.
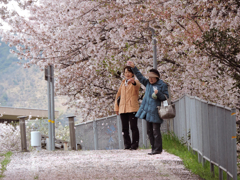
{"x": 173, "y": 145}
{"x": 5, "y": 162}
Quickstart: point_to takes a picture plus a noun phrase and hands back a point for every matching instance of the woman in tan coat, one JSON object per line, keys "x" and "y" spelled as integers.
{"x": 128, "y": 106}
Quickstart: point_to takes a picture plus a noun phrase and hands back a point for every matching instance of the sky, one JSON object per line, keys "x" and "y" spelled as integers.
{"x": 13, "y": 5}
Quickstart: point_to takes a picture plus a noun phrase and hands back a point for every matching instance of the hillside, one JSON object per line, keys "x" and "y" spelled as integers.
{"x": 24, "y": 87}
{"x": 20, "y": 87}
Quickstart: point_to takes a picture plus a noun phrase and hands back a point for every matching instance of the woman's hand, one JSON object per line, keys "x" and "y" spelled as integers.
{"x": 130, "y": 63}
{"x": 156, "y": 91}
{"x": 132, "y": 80}
{"x": 116, "y": 112}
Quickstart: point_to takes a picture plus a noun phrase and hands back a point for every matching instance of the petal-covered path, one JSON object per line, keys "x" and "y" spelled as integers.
{"x": 101, "y": 164}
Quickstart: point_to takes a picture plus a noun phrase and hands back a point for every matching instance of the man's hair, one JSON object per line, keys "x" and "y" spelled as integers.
{"x": 155, "y": 71}
{"x": 129, "y": 69}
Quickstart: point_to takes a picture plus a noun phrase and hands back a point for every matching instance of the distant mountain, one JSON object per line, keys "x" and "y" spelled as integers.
{"x": 6, "y": 59}
{"x": 24, "y": 87}
{"x": 20, "y": 87}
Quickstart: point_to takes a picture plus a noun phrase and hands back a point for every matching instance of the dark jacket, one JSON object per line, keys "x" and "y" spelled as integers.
{"x": 148, "y": 109}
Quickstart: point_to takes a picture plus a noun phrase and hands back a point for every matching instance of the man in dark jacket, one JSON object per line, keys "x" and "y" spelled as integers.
{"x": 154, "y": 95}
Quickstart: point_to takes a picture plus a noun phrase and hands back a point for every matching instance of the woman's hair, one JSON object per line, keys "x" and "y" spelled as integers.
{"x": 129, "y": 69}
{"x": 155, "y": 71}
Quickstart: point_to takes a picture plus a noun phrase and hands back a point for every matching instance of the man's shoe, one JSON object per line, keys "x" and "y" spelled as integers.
{"x": 150, "y": 153}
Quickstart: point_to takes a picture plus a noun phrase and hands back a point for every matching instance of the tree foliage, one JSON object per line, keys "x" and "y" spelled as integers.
{"x": 224, "y": 50}
{"x": 89, "y": 43}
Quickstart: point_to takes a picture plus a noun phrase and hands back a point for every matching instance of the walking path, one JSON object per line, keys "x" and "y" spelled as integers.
{"x": 101, "y": 164}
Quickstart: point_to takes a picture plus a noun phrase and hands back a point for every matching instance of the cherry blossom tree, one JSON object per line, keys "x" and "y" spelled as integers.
{"x": 89, "y": 42}
{"x": 7, "y": 10}
{"x": 9, "y": 137}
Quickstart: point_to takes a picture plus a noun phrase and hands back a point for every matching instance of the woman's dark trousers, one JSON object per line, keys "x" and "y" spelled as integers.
{"x": 126, "y": 118}
{"x": 155, "y": 137}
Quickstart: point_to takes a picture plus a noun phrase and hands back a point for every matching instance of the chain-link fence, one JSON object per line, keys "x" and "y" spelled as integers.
{"x": 106, "y": 133}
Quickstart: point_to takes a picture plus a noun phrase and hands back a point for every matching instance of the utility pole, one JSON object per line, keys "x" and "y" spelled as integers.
{"x": 49, "y": 77}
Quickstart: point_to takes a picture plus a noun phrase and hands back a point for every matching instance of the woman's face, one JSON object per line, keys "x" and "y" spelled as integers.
{"x": 127, "y": 74}
{"x": 152, "y": 80}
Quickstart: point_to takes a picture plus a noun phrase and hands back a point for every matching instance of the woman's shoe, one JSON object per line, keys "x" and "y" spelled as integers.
{"x": 134, "y": 148}
{"x": 155, "y": 152}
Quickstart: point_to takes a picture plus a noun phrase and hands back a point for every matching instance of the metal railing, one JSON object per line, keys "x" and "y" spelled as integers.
{"x": 207, "y": 128}
{"x": 210, "y": 130}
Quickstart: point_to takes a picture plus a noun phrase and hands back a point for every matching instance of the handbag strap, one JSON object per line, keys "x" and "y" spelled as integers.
{"x": 168, "y": 100}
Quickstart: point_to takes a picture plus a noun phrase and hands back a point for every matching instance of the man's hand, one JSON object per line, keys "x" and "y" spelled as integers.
{"x": 130, "y": 63}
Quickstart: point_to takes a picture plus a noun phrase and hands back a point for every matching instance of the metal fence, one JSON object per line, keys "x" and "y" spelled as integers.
{"x": 207, "y": 128}
{"x": 106, "y": 133}
{"x": 210, "y": 130}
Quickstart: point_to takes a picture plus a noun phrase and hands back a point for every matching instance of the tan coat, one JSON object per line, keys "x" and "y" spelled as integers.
{"x": 129, "y": 98}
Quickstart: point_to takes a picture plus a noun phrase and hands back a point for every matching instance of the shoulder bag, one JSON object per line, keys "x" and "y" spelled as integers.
{"x": 167, "y": 112}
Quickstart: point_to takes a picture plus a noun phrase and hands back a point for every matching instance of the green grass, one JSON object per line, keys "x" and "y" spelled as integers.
{"x": 174, "y": 146}
{"x": 5, "y": 162}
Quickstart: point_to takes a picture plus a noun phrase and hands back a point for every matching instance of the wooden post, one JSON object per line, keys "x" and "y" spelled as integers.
{"x": 65, "y": 146}
{"x": 23, "y": 133}
{"x": 72, "y": 132}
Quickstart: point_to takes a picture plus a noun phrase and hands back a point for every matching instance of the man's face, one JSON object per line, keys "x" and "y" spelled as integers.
{"x": 152, "y": 80}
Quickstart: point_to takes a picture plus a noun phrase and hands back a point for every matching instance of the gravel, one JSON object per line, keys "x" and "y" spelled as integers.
{"x": 100, "y": 164}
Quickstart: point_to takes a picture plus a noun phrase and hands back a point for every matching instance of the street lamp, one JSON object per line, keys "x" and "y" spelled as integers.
{"x": 49, "y": 77}
{"x": 154, "y": 48}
